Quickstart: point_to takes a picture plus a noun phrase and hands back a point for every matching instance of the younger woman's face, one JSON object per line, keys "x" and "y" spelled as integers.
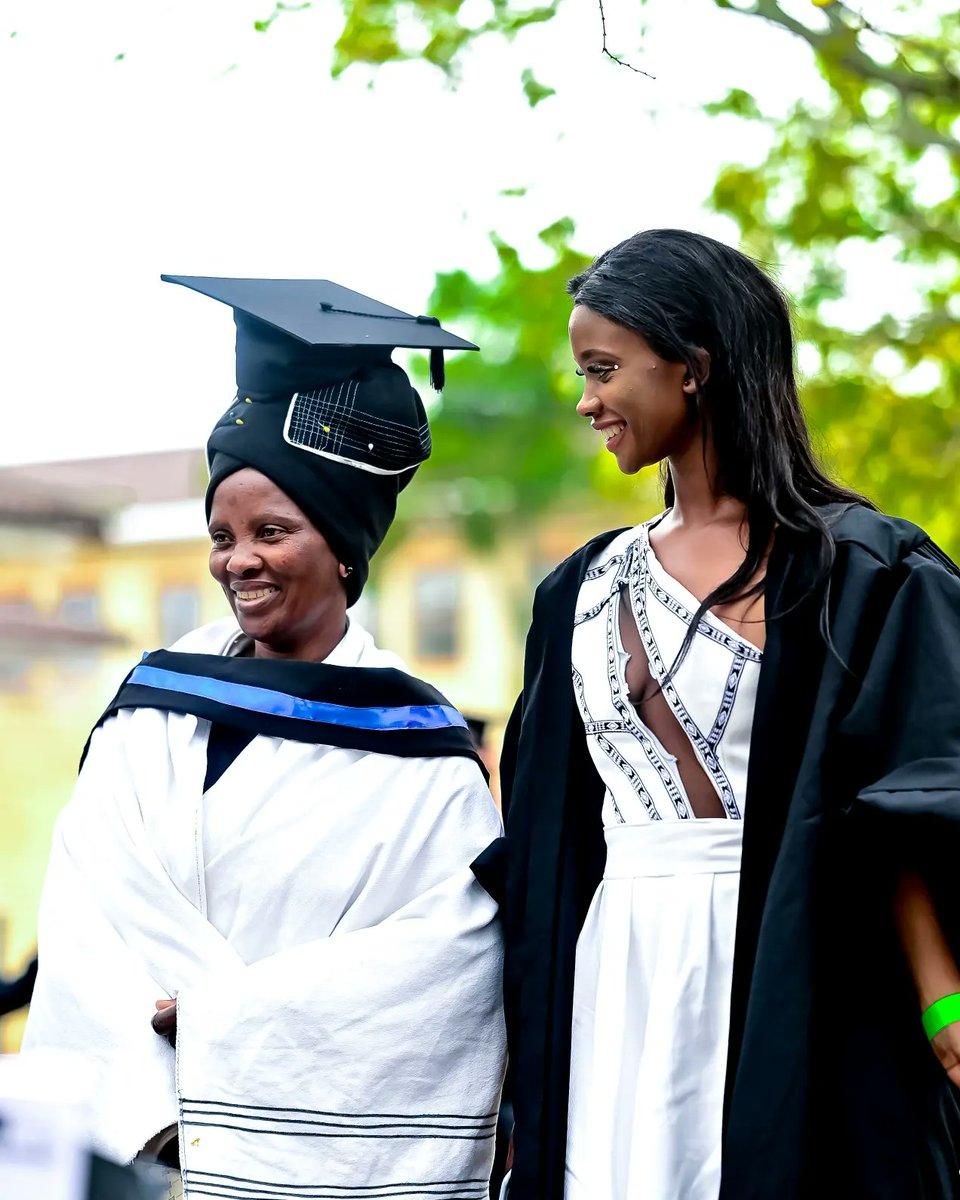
{"x": 636, "y": 401}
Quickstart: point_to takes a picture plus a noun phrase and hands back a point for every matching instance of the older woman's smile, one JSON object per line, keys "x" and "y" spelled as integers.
{"x": 248, "y": 594}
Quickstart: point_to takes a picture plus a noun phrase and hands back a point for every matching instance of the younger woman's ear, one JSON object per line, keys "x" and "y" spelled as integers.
{"x": 693, "y": 383}
{"x": 345, "y": 572}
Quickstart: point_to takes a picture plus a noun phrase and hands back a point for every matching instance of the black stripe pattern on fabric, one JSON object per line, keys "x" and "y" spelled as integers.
{"x": 209, "y": 1183}
{"x": 306, "y": 1122}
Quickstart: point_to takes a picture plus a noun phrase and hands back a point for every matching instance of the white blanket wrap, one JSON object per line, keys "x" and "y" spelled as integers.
{"x": 337, "y": 969}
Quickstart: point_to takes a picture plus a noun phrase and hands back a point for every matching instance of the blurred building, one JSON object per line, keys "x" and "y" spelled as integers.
{"x": 41, "y": 524}
{"x": 103, "y": 559}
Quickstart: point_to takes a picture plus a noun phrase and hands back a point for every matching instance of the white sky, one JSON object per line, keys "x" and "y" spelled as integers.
{"x": 211, "y": 149}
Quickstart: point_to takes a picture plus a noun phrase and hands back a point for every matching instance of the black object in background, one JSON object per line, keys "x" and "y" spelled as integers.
{"x": 108, "y": 1181}
{"x": 16, "y": 993}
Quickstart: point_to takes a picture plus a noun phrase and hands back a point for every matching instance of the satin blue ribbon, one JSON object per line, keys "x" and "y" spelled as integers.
{"x": 281, "y": 704}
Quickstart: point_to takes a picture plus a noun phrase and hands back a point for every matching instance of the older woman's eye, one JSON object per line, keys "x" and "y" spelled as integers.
{"x": 219, "y": 538}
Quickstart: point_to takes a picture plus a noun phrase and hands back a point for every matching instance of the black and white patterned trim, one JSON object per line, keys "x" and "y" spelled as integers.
{"x": 631, "y": 720}
{"x": 590, "y": 613}
{"x": 728, "y": 701}
{"x": 624, "y": 563}
{"x": 328, "y": 423}
{"x": 596, "y": 730}
{"x": 632, "y": 777}
{"x": 726, "y": 638}
{"x": 598, "y": 572}
{"x": 708, "y": 759}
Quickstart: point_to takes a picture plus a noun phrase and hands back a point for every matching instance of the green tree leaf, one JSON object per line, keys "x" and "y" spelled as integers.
{"x": 535, "y": 92}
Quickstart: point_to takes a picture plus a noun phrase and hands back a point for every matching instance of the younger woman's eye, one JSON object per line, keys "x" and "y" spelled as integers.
{"x": 601, "y": 371}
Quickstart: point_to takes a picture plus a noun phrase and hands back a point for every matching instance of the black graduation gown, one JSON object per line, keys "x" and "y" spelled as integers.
{"x": 832, "y": 1089}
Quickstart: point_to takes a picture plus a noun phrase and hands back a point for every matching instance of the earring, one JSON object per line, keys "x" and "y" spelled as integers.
{"x": 345, "y": 572}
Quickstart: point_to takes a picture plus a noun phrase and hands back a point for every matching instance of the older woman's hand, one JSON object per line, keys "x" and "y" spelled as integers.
{"x": 164, "y": 1020}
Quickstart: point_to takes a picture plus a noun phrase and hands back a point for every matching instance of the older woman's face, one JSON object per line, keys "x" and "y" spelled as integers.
{"x": 278, "y": 573}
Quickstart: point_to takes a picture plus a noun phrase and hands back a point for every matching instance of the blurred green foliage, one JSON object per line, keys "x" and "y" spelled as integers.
{"x": 862, "y": 175}
{"x": 868, "y": 174}
{"x": 506, "y": 436}
{"x": 382, "y": 31}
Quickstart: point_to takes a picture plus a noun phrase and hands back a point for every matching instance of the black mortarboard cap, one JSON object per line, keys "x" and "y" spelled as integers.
{"x": 320, "y": 408}
{"x": 303, "y": 333}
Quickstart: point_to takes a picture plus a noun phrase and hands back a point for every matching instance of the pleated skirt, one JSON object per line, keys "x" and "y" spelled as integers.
{"x": 651, "y": 1014}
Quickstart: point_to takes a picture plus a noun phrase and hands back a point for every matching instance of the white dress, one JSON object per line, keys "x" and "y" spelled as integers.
{"x": 655, "y": 956}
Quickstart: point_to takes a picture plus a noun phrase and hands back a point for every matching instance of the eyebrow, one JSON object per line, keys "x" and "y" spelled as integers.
{"x": 265, "y": 518}
{"x": 599, "y": 354}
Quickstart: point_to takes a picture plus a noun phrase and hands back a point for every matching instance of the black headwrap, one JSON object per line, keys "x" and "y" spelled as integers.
{"x": 312, "y": 446}
{"x": 321, "y": 410}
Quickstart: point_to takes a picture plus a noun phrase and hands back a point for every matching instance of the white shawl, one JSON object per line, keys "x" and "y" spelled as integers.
{"x": 337, "y": 968}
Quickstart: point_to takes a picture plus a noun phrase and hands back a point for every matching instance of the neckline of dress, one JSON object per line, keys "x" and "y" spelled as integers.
{"x": 348, "y": 652}
{"x": 686, "y": 599}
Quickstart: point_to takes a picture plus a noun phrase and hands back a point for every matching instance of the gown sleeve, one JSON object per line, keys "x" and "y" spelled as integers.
{"x": 903, "y": 729}
{"x": 490, "y": 867}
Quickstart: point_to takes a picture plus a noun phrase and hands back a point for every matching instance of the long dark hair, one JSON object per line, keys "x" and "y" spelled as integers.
{"x": 685, "y": 293}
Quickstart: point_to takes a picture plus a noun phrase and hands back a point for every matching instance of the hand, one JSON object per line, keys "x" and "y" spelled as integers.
{"x": 164, "y": 1020}
{"x": 946, "y": 1046}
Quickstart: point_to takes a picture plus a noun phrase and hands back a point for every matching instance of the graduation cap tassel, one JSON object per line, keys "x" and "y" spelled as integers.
{"x": 437, "y": 370}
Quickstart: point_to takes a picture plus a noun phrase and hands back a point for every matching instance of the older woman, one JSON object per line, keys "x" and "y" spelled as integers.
{"x": 267, "y": 854}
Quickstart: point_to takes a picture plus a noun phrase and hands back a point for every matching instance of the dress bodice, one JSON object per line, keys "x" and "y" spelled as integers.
{"x": 711, "y": 693}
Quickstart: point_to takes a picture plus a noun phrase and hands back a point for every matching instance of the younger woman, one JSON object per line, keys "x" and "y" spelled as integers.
{"x": 733, "y": 789}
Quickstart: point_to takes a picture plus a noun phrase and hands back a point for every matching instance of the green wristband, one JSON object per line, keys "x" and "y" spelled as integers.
{"x": 940, "y": 1014}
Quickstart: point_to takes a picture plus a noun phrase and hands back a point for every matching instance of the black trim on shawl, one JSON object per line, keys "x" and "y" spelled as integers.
{"x": 353, "y": 687}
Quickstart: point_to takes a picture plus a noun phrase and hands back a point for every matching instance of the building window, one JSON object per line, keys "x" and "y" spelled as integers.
{"x": 179, "y": 613}
{"x": 437, "y": 613}
{"x": 15, "y": 614}
{"x": 80, "y": 610}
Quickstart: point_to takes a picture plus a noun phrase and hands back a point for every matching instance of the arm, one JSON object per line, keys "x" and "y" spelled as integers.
{"x": 932, "y": 965}
{"x": 904, "y": 731}
{"x": 116, "y": 932}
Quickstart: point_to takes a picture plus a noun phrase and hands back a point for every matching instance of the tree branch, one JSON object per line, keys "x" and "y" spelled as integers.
{"x": 914, "y": 133}
{"x": 939, "y": 87}
{"x": 604, "y": 50}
